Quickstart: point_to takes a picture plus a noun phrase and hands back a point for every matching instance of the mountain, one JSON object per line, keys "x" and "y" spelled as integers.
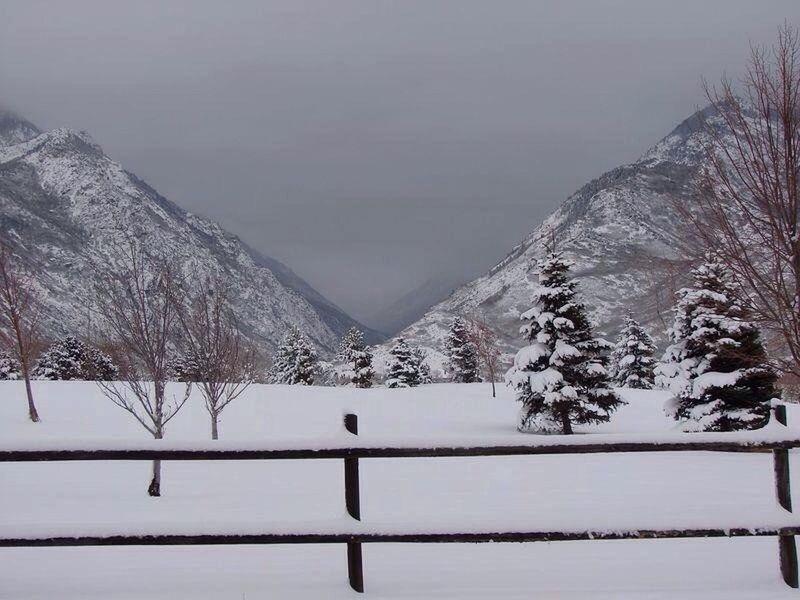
{"x": 620, "y": 229}
{"x": 14, "y": 129}
{"x": 64, "y": 204}
{"x": 414, "y": 304}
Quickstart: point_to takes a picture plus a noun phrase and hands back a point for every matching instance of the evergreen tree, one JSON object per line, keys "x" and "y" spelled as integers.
{"x": 404, "y": 367}
{"x": 420, "y": 360}
{"x": 560, "y": 377}
{"x": 462, "y": 353}
{"x": 9, "y": 367}
{"x": 632, "y": 362}
{"x": 185, "y": 368}
{"x": 355, "y": 354}
{"x": 716, "y": 366}
{"x": 295, "y": 362}
{"x": 71, "y": 359}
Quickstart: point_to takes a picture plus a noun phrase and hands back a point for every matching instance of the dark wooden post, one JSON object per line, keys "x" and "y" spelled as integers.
{"x": 783, "y": 489}
{"x": 353, "y": 503}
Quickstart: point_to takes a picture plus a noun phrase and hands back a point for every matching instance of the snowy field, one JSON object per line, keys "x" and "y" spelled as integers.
{"x": 592, "y": 491}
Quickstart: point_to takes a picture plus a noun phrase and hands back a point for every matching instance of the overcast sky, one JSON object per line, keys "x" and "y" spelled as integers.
{"x": 373, "y": 145}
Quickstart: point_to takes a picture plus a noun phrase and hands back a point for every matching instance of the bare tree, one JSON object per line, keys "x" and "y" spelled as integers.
{"x": 139, "y": 301}
{"x": 485, "y": 340}
{"x": 223, "y": 361}
{"x": 749, "y": 208}
{"x": 20, "y": 314}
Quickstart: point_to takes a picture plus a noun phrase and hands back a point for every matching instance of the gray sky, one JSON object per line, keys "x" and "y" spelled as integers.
{"x": 373, "y": 145}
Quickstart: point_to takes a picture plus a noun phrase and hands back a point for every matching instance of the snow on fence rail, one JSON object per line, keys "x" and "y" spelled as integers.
{"x": 355, "y": 534}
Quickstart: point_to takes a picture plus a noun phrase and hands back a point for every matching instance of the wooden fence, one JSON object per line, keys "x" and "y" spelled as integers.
{"x": 354, "y": 539}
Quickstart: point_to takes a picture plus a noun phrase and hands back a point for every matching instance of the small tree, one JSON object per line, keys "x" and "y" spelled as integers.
{"x": 403, "y": 369}
{"x": 462, "y": 353}
{"x": 560, "y": 377}
{"x": 220, "y": 363}
{"x": 632, "y": 362}
{"x": 139, "y": 300}
{"x": 295, "y": 362}
{"x": 716, "y": 366}
{"x": 184, "y": 368}
{"x": 421, "y": 361}
{"x": 354, "y": 353}
{"x": 70, "y": 359}
{"x": 485, "y": 341}
{"x": 9, "y": 367}
{"x": 20, "y": 317}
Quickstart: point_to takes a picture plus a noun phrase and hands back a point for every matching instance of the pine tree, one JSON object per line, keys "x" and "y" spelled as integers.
{"x": 71, "y": 359}
{"x": 462, "y": 353}
{"x": 355, "y": 354}
{"x": 185, "y": 368}
{"x": 716, "y": 366}
{"x": 632, "y": 362}
{"x": 295, "y": 362}
{"x": 421, "y": 361}
{"x": 9, "y": 367}
{"x": 560, "y": 377}
{"x": 404, "y": 367}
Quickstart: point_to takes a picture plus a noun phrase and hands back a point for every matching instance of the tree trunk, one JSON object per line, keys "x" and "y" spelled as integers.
{"x": 32, "y": 412}
{"x": 566, "y": 425}
{"x": 214, "y": 426}
{"x": 154, "y": 488}
{"x": 494, "y": 393}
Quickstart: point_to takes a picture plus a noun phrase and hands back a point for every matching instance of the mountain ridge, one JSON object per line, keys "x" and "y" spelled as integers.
{"x": 65, "y": 202}
{"x": 620, "y": 229}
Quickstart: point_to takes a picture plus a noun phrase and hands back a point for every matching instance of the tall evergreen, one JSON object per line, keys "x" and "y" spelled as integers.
{"x": 462, "y": 353}
{"x": 354, "y": 353}
{"x": 632, "y": 362}
{"x": 716, "y": 366}
{"x": 70, "y": 359}
{"x": 295, "y": 362}
{"x": 404, "y": 367}
{"x": 560, "y": 377}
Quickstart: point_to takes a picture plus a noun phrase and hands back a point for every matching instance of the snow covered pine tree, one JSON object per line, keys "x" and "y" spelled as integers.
{"x": 632, "y": 362}
{"x": 560, "y": 377}
{"x": 9, "y": 367}
{"x": 716, "y": 366}
{"x": 404, "y": 368}
{"x": 70, "y": 359}
{"x": 295, "y": 362}
{"x": 421, "y": 361}
{"x": 462, "y": 353}
{"x": 355, "y": 354}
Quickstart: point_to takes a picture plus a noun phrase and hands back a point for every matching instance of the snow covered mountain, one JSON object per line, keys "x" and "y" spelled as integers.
{"x": 66, "y": 204}
{"x": 621, "y": 231}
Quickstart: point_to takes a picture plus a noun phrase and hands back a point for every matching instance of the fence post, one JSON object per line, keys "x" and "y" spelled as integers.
{"x": 352, "y": 501}
{"x": 786, "y": 543}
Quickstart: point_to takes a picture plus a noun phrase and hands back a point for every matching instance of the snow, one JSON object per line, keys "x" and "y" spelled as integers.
{"x": 596, "y": 492}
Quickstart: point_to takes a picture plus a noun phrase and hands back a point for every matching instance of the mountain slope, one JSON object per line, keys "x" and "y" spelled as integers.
{"x": 621, "y": 231}
{"x": 65, "y": 204}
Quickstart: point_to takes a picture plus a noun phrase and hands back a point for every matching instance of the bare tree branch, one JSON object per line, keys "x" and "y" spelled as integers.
{"x": 139, "y": 301}
{"x": 485, "y": 340}
{"x": 747, "y": 212}
{"x": 223, "y": 362}
{"x": 20, "y": 317}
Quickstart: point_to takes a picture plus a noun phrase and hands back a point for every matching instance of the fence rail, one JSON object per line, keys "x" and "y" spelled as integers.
{"x": 352, "y": 453}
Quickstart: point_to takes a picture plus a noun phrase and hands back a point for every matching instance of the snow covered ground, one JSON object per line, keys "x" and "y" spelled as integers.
{"x": 592, "y": 491}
